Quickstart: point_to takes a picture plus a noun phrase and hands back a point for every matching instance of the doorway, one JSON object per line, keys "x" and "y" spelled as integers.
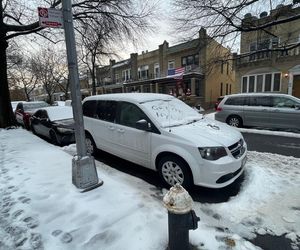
{"x": 296, "y": 86}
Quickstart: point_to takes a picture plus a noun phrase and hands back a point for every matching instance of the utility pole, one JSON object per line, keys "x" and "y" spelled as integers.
{"x": 84, "y": 174}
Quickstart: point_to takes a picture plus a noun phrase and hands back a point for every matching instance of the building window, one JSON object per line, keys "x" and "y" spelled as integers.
{"x": 270, "y": 82}
{"x": 221, "y": 89}
{"x": 226, "y": 88}
{"x": 190, "y": 60}
{"x": 156, "y": 70}
{"x": 171, "y": 64}
{"x": 276, "y": 85}
{"x": 244, "y": 84}
{"x": 117, "y": 78}
{"x": 251, "y": 84}
{"x": 126, "y": 75}
{"x": 222, "y": 67}
{"x": 252, "y": 49}
{"x": 259, "y": 83}
{"x": 143, "y": 72}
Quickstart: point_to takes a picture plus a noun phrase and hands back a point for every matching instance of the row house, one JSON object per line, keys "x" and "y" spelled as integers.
{"x": 193, "y": 71}
{"x": 270, "y": 58}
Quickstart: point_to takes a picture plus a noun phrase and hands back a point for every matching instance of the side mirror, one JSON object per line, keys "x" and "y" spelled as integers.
{"x": 143, "y": 125}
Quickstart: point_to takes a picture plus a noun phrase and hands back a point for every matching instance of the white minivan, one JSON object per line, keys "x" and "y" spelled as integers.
{"x": 162, "y": 133}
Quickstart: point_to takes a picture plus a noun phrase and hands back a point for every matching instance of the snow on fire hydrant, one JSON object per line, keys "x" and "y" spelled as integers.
{"x": 181, "y": 217}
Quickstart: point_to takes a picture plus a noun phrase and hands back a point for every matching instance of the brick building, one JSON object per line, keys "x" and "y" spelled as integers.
{"x": 205, "y": 75}
{"x": 266, "y": 64}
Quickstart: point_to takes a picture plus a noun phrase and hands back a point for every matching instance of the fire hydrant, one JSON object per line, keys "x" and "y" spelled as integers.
{"x": 181, "y": 217}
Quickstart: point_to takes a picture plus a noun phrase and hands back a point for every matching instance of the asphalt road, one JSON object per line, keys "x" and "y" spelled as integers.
{"x": 273, "y": 144}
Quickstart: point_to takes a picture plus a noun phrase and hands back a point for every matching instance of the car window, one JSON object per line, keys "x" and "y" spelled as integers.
{"x": 106, "y": 110}
{"x": 19, "y": 106}
{"x": 89, "y": 108}
{"x": 235, "y": 100}
{"x": 130, "y": 114}
{"x": 283, "y": 102}
{"x": 41, "y": 114}
{"x": 264, "y": 101}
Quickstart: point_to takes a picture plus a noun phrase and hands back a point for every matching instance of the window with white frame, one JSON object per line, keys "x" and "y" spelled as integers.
{"x": 143, "y": 72}
{"x": 117, "y": 79}
{"x": 171, "y": 64}
{"x": 268, "y": 82}
{"x": 126, "y": 75}
{"x": 156, "y": 70}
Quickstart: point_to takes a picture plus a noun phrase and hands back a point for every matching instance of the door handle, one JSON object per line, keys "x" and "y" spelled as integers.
{"x": 111, "y": 128}
{"x": 121, "y": 130}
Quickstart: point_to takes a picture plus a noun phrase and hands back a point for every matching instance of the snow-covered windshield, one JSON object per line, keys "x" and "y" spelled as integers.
{"x": 59, "y": 113}
{"x": 172, "y": 112}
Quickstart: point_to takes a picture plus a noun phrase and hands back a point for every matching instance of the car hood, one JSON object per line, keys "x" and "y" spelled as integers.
{"x": 207, "y": 133}
{"x": 67, "y": 123}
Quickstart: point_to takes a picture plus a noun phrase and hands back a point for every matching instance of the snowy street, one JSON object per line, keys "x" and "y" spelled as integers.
{"x": 41, "y": 209}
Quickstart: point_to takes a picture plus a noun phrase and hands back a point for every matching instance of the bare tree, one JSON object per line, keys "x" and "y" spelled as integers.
{"x": 51, "y": 70}
{"x": 22, "y": 75}
{"x": 96, "y": 45}
{"x": 18, "y": 19}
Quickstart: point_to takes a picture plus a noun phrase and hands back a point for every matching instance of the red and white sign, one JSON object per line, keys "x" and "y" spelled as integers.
{"x": 50, "y": 17}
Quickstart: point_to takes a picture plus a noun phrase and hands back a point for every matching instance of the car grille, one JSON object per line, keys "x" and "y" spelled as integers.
{"x": 237, "y": 149}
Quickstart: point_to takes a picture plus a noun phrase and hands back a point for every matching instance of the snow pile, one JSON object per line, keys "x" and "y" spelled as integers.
{"x": 41, "y": 209}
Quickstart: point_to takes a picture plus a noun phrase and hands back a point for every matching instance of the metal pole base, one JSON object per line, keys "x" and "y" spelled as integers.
{"x": 84, "y": 173}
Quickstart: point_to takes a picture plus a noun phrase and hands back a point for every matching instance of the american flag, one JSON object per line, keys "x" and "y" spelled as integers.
{"x": 176, "y": 73}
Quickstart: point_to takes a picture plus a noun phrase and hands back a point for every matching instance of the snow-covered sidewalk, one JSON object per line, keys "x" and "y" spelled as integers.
{"x": 41, "y": 209}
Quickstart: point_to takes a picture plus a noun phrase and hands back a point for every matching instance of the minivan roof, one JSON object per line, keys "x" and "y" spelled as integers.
{"x": 260, "y": 94}
{"x": 132, "y": 97}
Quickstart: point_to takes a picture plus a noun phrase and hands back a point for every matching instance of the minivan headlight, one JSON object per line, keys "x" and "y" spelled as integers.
{"x": 212, "y": 153}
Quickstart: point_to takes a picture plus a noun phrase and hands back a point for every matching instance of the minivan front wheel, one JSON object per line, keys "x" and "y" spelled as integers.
{"x": 174, "y": 170}
{"x": 234, "y": 121}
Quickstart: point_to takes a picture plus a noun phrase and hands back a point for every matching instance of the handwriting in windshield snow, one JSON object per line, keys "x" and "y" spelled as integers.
{"x": 164, "y": 111}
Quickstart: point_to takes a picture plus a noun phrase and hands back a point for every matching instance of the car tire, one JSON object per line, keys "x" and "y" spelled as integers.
{"x": 172, "y": 169}
{"x": 53, "y": 137}
{"x": 234, "y": 121}
{"x": 90, "y": 144}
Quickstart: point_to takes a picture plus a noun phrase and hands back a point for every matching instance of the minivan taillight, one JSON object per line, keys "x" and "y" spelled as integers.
{"x": 219, "y": 109}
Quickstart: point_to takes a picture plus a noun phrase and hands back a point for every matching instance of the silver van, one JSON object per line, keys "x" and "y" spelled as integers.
{"x": 260, "y": 110}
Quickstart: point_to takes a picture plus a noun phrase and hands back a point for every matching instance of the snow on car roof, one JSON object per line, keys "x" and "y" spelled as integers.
{"x": 57, "y": 113}
{"x": 133, "y": 97}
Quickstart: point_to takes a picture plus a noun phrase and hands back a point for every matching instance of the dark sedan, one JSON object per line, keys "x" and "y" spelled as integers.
{"x": 55, "y": 123}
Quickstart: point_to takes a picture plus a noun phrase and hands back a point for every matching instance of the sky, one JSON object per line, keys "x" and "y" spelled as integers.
{"x": 41, "y": 209}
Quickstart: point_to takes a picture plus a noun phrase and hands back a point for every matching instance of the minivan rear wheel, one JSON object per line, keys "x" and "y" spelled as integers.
{"x": 234, "y": 121}
{"x": 173, "y": 169}
{"x": 90, "y": 144}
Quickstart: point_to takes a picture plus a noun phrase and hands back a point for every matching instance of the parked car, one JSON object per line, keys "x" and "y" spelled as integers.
{"x": 24, "y": 110}
{"x": 261, "y": 110}
{"x": 55, "y": 123}
{"x": 162, "y": 133}
{"x": 218, "y": 101}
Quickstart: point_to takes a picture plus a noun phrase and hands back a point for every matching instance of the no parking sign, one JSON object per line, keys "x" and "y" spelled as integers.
{"x": 50, "y": 17}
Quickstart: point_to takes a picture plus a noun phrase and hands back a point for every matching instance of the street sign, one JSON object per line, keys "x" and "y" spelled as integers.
{"x": 50, "y": 17}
